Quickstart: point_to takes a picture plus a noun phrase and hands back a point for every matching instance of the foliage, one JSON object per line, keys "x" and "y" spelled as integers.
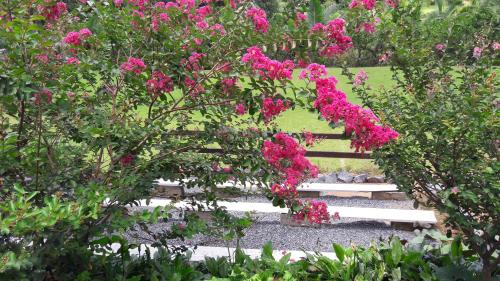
{"x": 95, "y": 100}
{"x": 445, "y": 105}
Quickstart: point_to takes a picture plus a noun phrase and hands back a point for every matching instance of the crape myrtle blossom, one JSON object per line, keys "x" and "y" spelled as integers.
{"x": 335, "y": 42}
{"x": 259, "y": 19}
{"x": 273, "y": 107}
{"x": 75, "y": 38}
{"x": 287, "y": 156}
{"x": 313, "y": 72}
{"x": 266, "y": 67}
{"x": 240, "y": 109}
{"x": 360, "y": 78}
{"x": 135, "y": 65}
{"x": 159, "y": 83}
{"x": 362, "y": 123}
{"x": 72, "y": 60}
{"x": 54, "y": 12}
{"x": 366, "y": 4}
{"x": 313, "y": 211}
{"x": 476, "y": 53}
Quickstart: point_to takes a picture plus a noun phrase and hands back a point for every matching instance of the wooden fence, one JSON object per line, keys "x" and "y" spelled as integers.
{"x": 309, "y": 153}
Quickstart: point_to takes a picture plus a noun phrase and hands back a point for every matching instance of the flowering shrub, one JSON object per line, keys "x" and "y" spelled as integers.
{"x": 95, "y": 97}
{"x": 445, "y": 108}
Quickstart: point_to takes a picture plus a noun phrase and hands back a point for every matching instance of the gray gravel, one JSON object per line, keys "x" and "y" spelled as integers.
{"x": 267, "y": 227}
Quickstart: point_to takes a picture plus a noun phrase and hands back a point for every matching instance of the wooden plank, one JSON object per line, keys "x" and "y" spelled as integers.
{"x": 393, "y": 215}
{"x": 400, "y": 196}
{"x": 320, "y": 187}
{"x": 351, "y": 187}
{"x": 321, "y": 154}
{"x": 201, "y": 252}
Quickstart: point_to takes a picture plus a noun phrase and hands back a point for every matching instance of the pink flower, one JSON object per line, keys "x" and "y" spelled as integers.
{"x": 309, "y": 138}
{"x": 287, "y": 156}
{"x": 267, "y": 68}
{"x": 133, "y": 65}
{"x": 159, "y": 83}
{"x": 391, "y": 3}
{"x": 259, "y": 18}
{"x": 240, "y": 109}
{"x": 194, "y": 88}
{"x": 72, "y": 60}
{"x": 367, "y": 27}
{"x": 52, "y": 13}
{"x": 315, "y": 212}
{"x": 313, "y": 72}
{"x": 84, "y": 33}
{"x": 360, "y": 78}
{"x": 477, "y": 52}
{"x": 219, "y": 28}
{"x": 76, "y": 38}
{"x": 496, "y": 46}
{"x": 440, "y": 47}
{"x": 335, "y": 41}
{"x": 227, "y": 84}
{"x": 42, "y": 58}
{"x": 367, "y": 4}
{"x": 44, "y": 96}
{"x": 273, "y": 107}
{"x": 118, "y": 3}
{"x": 455, "y": 190}
{"x": 72, "y": 38}
{"x": 362, "y": 123}
{"x": 301, "y": 16}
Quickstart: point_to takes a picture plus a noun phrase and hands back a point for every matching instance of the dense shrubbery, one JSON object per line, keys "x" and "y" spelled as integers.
{"x": 95, "y": 97}
{"x": 445, "y": 105}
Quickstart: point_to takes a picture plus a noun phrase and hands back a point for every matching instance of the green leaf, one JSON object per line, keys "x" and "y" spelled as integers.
{"x": 339, "y": 251}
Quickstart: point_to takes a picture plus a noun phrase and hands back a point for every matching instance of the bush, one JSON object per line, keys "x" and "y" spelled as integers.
{"x": 95, "y": 100}
{"x": 445, "y": 106}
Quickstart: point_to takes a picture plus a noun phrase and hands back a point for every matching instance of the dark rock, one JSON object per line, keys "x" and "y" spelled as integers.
{"x": 344, "y": 177}
{"x": 331, "y": 178}
{"x": 360, "y": 178}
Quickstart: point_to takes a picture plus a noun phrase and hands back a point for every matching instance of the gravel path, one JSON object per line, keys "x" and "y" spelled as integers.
{"x": 267, "y": 227}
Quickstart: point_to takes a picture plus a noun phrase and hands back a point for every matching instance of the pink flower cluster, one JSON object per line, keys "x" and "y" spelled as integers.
{"x": 273, "y": 107}
{"x": 133, "y": 65}
{"x": 72, "y": 60}
{"x": 159, "y": 83}
{"x": 367, "y": 27}
{"x": 313, "y": 72}
{"x": 314, "y": 212}
{"x": 259, "y": 19}
{"x": 300, "y": 16}
{"x": 360, "y": 78}
{"x": 54, "y": 12}
{"x": 335, "y": 42}
{"x": 44, "y": 96}
{"x": 309, "y": 138}
{"x": 266, "y": 67}
{"x": 240, "y": 109}
{"x": 334, "y": 106}
{"x": 366, "y": 4}
{"x": 287, "y": 156}
{"x": 76, "y": 38}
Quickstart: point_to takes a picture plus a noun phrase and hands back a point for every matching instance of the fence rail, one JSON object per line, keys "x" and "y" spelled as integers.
{"x": 310, "y": 153}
